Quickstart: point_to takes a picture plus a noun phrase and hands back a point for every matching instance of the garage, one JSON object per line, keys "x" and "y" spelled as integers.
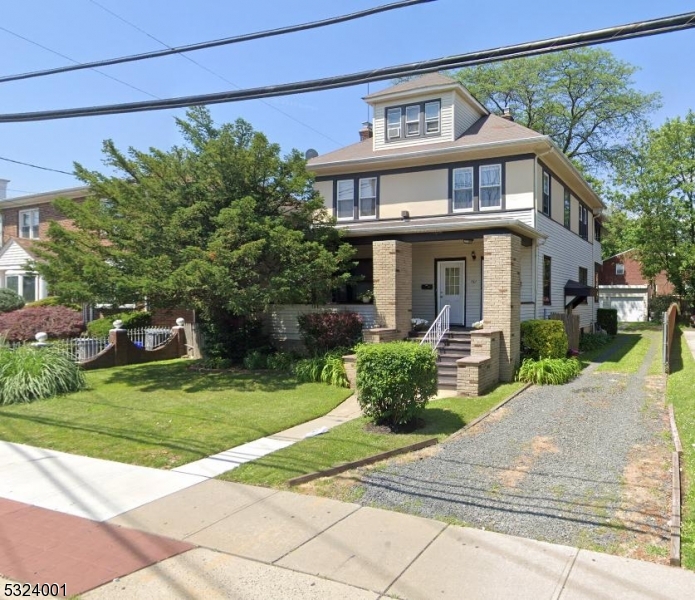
{"x": 630, "y": 309}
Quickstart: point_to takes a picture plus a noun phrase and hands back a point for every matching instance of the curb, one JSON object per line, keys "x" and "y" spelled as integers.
{"x": 676, "y": 491}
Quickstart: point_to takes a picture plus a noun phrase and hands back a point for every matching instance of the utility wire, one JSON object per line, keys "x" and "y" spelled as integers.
{"x": 577, "y": 40}
{"x": 26, "y": 39}
{"x": 213, "y": 43}
{"x": 26, "y": 164}
{"x": 216, "y": 74}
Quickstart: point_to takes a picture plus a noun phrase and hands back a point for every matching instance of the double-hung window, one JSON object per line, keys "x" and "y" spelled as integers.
{"x": 583, "y": 222}
{"x": 367, "y": 204}
{"x": 619, "y": 269}
{"x": 432, "y": 112}
{"x": 393, "y": 125}
{"x": 412, "y": 120}
{"x": 345, "y": 205}
{"x": 546, "y": 193}
{"x": 29, "y": 223}
{"x": 463, "y": 189}
{"x": 490, "y": 187}
{"x": 568, "y": 209}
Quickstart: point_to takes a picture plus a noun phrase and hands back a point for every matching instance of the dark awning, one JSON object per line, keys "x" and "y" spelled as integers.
{"x": 578, "y": 291}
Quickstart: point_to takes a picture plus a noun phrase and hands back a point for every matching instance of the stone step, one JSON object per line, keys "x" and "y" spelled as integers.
{"x": 446, "y": 381}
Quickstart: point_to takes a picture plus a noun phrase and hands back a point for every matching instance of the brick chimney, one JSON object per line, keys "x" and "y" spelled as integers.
{"x": 3, "y": 188}
{"x": 366, "y": 132}
{"x": 507, "y": 114}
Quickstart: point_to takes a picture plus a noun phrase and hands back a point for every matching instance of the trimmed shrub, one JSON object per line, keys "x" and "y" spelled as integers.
{"x": 593, "y": 341}
{"x": 10, "y": 300}
{"x": 325, "y": 331}
{"x": 549, "y": 371}
{"x": 57, "y": 321}
{"x": 255, "y": 360}
{"x": 131, "y": 320}
{"x": 395, "y": 381}
{"x": 281, "y": 361}
{"x": 29, "y": 373}
{"x": 543, "y": 339}
{"x": 54, "y": 301}
{"x": 607, "y": 318}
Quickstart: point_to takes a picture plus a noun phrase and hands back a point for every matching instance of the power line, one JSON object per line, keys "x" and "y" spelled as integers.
{"x": 577, "y": 40}
{"x": 216, "y": 74}
{"x": 38, "y": 45}
{"x": 26, "y": 164}
{"x": 213, "y": 43}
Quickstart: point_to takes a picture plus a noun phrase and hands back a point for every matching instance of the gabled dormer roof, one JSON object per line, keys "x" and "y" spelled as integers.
{"x": 422, "y": 84}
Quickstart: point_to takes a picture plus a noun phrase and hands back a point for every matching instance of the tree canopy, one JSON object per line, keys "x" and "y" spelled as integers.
{"x": 657, "y": 183}
{"x": 222, "y": 224}
{"x": 583, "y": 99}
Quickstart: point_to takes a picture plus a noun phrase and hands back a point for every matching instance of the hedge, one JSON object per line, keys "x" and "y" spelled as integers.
{"x": 395, "y": 381}
{"x": 543, "y": 339}
{"x": 131, "y": 320}
{"x": 10, "y": 300}
{"x": 325, "y": 331}
{"x": 607, "y": 318}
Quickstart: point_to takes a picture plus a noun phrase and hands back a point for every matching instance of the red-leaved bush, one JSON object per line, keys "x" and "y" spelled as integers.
{"x": 325, "y": 331}
{"x": 57, "y": 321}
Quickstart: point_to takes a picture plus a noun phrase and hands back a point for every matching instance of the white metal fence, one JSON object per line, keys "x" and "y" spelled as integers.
{"x": 149, "y": 338}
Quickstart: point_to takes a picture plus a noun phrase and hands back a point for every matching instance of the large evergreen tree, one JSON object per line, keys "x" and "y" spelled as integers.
{"x": 221, "y": 224}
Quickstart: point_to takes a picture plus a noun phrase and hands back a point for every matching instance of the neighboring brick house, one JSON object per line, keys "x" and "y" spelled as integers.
{"x": 24, "y": 220}
{"x": 449, "y": 205}
{"x": 623, "y": 287}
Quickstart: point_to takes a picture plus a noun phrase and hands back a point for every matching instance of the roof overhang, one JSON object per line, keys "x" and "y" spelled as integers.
{"x": 578, "y": 291}
{"x": 45, "y": 197}
{"x": 449, "y": 227}
{"x": 380, "y": 98}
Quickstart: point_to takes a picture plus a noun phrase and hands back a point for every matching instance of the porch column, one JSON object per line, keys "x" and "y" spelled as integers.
{"x": 393, "y": 281}
{"x": 502, "y": 297}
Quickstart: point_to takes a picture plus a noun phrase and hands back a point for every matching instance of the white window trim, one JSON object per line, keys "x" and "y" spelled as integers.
{"x": 480, "y": 188}
{"x": 20, "y": 275}
{"x": 337, "y": 200}
{"x": 438, "y": 120}
{"x": 453, "y": 190}
{"x": 398, "y": 127}
{"x": 546, "y": 192}
{"x": 622, "y": 269}
{"x": 416, "y": 120}
{"x": 359, "y": 199}
{"x": 30, "y": 211}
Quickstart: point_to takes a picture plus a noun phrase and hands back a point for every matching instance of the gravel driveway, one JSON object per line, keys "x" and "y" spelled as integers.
{"x": 580, "y": 464}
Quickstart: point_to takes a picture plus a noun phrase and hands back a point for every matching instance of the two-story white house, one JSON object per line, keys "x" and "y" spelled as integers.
{"x": 450, "y": 205}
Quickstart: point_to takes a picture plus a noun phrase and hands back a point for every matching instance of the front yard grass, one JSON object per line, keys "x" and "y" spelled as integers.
{"x": 630, "y": 352}
{"x": 681, "y": 383}
{"x": 165, "y": 415}
{"x": 351, "y": 441}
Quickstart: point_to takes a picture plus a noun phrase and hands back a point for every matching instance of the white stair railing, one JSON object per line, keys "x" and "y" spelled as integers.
{"x": 438, "y": 329}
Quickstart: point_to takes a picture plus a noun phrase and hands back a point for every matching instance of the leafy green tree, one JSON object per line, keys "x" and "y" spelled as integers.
{"x": 617, "y": 235}
{"x": 583, "y": 99}
{"x": 222, "y": 224}
{"x": 657, "y": 183}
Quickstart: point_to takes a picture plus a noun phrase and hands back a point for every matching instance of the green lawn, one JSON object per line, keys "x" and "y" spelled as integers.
{"x": 681, "y": 383}
{"x": 630, "y": 351}
{"x": 164, "y": 415}
{"x": 350, "y": 441}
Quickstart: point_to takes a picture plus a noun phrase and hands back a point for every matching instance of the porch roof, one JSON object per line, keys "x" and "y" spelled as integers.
{"x": 449, "y": 227}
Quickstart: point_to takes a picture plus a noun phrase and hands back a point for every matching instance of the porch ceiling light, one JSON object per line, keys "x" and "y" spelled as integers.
{"x": 467, "y": 241}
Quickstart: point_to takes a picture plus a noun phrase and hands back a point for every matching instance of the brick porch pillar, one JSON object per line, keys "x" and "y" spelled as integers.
{"x": 393, "y": 281}
{"x": 502, "y": 297}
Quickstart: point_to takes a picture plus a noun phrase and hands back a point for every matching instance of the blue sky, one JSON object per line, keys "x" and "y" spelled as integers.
{"x": 326, "y": 120}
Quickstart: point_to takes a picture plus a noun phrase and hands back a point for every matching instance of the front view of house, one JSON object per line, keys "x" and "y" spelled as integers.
{"x": 447, "y": 204}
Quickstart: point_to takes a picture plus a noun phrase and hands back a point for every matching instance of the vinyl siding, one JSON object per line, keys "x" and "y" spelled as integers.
{"x": 421, "y": 193}
{"x": 446, "y": 125}
{"x": 519, "y": 184}
{"x": 464, "y": 116}
{"x": 568, "y": 252}
{"x": 557, "y": 201}
{"x": 424, "y": 255}
{"x": 14, "y": 257}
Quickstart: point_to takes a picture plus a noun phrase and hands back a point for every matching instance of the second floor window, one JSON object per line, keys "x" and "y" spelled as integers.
{"x": 568, "y": 209}
{"x": 490, "y": 187}
{"x": 463, "y": 189}
{"x": 29, "y": 223}
{"x": 619, "y": 269}
{"x": 345, "y": 205}
{"x": 583, "y": 222}
{"x": 546, "y": 193}
{"x": 368, "y": 197}
{"x": 432, "y": 117}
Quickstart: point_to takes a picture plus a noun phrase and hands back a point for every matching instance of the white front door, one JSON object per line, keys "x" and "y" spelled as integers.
{"x": 451, "y": 289}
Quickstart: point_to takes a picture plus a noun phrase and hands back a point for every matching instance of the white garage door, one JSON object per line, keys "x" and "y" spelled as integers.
{"x": 630, "y": 309}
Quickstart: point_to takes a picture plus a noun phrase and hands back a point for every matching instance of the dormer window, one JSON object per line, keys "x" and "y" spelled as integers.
{"x": 394, "y": 123}
{"x": 423, "y": 119}
{"x": 412, "y": 120}
{"x": 432, "y": 110}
